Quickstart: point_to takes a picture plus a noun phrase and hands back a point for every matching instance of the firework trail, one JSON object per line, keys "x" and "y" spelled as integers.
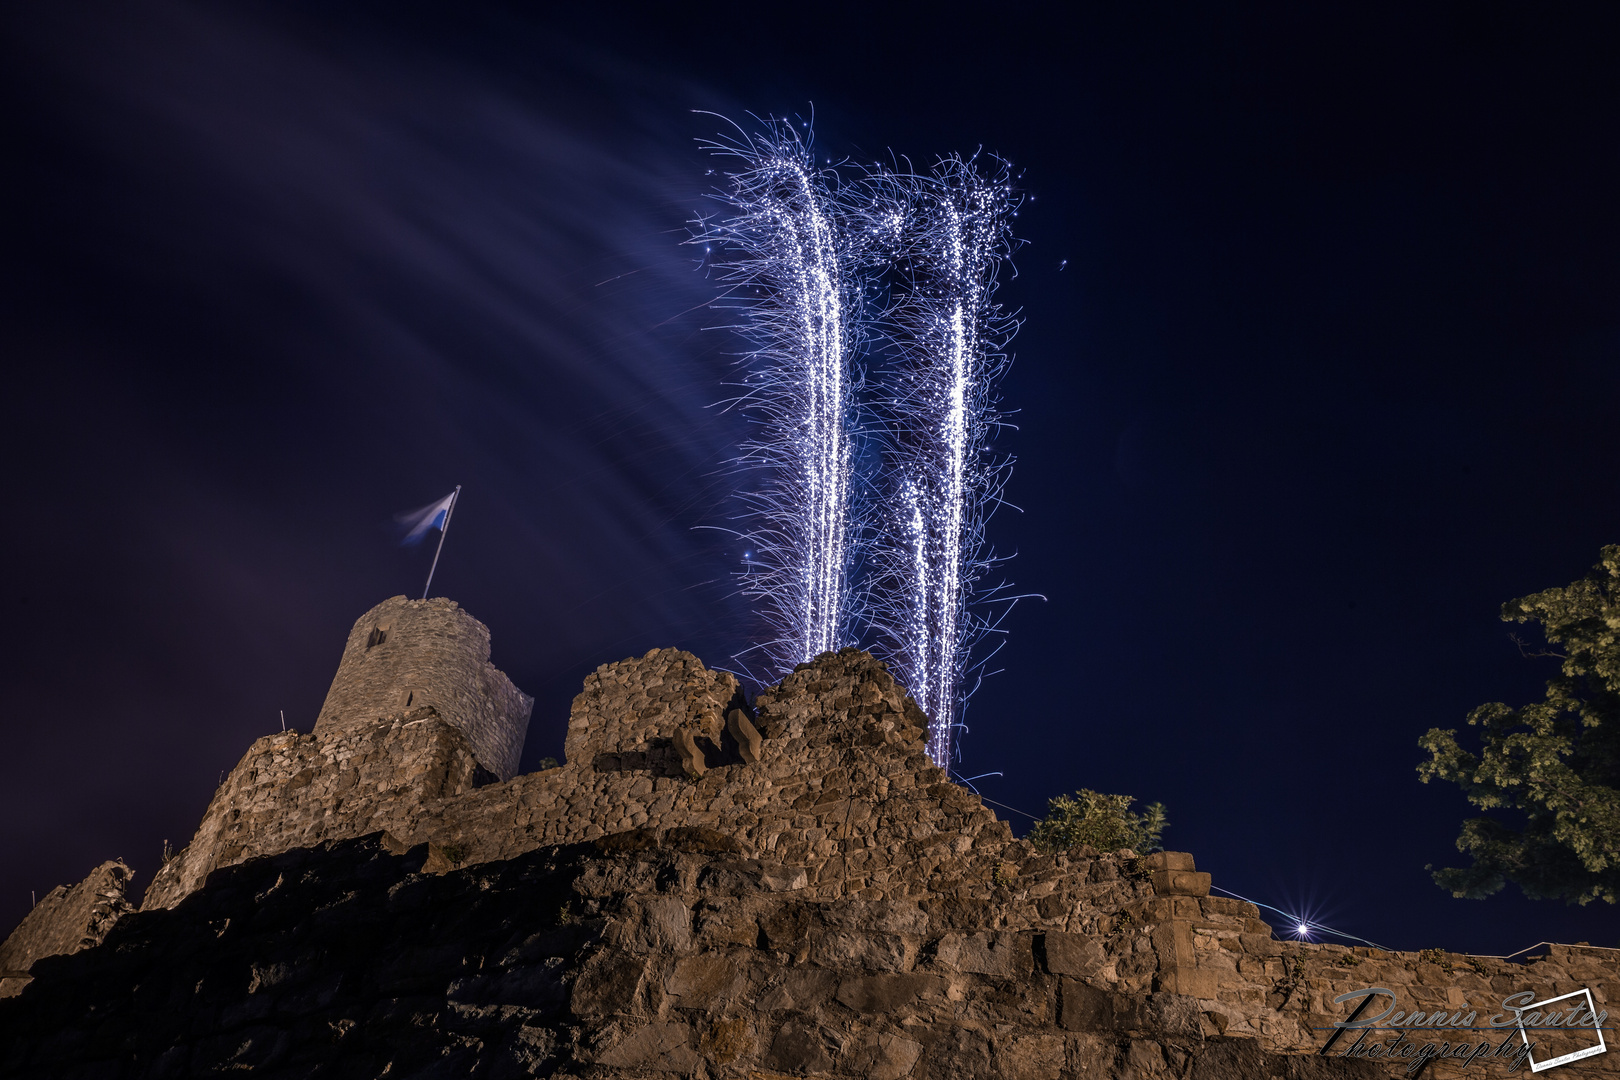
{"x": 784, "y": 255}
{"x": 947, "y": 346}
{"x": 799, "y": 252}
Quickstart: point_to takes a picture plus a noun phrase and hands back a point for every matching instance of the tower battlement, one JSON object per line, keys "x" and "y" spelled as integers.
{"x": 411, "y": 654}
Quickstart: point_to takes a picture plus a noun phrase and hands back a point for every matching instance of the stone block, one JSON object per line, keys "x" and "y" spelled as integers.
{"x": 1185, "y": 907}
{"x": 1176, "y": 1015}
{"x": 1072, "y": 954}
{"x": 749, "y": 742}
{"x": 1228, "y": 907}
{"x": 1032, "y": 1057}
{"x": 726, "y": 1040}
{"x": 801, "y": 1046}
{"x": 692, "y": 757}
{"x": 886, "y": 993}
{"x": 1155, "y": 910}
{"x": 893, "y": 1058}
{"x": 664, "y": 1047}
{"x": 1007, "y": 955}
{"x": 1173, "y": 944}
{"x": 1180, "y": 883}
{"x": 847, "y": 949}
{"x": 666, "y": 923}
{"x": 1167, "y": 860}
{"x": 703, "y": 981}
{"x": 1084, "y": 1007}
{"x": 608, "y": 983}
{"x": 785, "y": 926}
{"x": 1190, "y": 981}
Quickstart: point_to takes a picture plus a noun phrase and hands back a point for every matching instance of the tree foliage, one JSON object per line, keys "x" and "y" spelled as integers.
{"x": 1103, "y": 821}
{"x": 1553, "y": 766}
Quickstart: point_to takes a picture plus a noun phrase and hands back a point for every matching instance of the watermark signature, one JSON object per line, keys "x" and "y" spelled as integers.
{"x": 1564, "y": 1028}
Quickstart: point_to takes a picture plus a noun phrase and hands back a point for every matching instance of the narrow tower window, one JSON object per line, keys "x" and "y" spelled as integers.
{"x": 379, "y": 634}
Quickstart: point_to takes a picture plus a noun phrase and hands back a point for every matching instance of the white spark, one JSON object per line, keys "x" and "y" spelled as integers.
{"x": 801, "y": 253}
{"x": 950, "y": 236}
{"x": 787, "y": 271}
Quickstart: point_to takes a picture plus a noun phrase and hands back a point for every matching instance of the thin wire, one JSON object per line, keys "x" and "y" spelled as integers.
{"x": 1537, "y": 945}
{"x": 1004, "y": 806}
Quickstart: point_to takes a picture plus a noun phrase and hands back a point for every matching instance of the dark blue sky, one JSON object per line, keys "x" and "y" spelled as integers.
{"x": 1332, "y": 370}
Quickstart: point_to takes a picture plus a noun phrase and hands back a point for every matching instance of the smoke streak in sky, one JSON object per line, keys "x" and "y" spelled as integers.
{"x": 949, "y": 338}
{"x": 783, "y": 257}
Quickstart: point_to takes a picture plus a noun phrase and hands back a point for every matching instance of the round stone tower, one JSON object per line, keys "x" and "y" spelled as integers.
{"x": 404, "y": 654}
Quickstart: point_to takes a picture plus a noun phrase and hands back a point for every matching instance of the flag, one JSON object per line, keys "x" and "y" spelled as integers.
{"x": 433, "y": 516}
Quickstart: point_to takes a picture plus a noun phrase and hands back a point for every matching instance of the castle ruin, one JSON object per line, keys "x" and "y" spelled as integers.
{"x": 405, "y": 655}
{"x": 707, "y": 887}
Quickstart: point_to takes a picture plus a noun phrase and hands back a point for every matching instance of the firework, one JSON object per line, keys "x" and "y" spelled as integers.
{"x": 784, "y": 255}
{"x": 947, "y": 340}
{"x": 804, "y": 254}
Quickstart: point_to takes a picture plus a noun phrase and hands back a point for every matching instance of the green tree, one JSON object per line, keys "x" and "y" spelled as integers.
{"x": 1103, "y": 821}
{"x": 1553, "y": 766}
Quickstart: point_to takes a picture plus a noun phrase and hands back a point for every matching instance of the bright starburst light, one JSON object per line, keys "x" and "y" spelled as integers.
{"x": 1301, "y": 923}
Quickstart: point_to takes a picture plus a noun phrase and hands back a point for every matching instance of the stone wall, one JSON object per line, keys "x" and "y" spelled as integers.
{"x": 295, "y": 790}
{"x": 824, "y": 790}
{"x": 405, "y": 654}
{"x": 639, "y": 704}
{"x": 663, "y": 955}
{"x": 865, "y": 915}
{"x": 840, "y": 787}
{"x": 595, "y": 961}
{"x": 69, "y": 919}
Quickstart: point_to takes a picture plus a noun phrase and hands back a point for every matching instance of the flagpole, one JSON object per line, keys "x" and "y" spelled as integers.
{"x": 454, "y": 496}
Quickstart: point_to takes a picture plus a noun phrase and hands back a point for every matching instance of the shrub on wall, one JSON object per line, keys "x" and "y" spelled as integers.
{"x": 1105, "y": 822}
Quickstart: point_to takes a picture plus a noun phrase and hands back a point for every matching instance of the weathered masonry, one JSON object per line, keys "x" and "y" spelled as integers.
{"x": 708, "y": 887}
{"x": 405, "y": 655}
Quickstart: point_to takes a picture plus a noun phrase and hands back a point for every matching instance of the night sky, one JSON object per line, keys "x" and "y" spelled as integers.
{"x": 1320, "y": 365}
